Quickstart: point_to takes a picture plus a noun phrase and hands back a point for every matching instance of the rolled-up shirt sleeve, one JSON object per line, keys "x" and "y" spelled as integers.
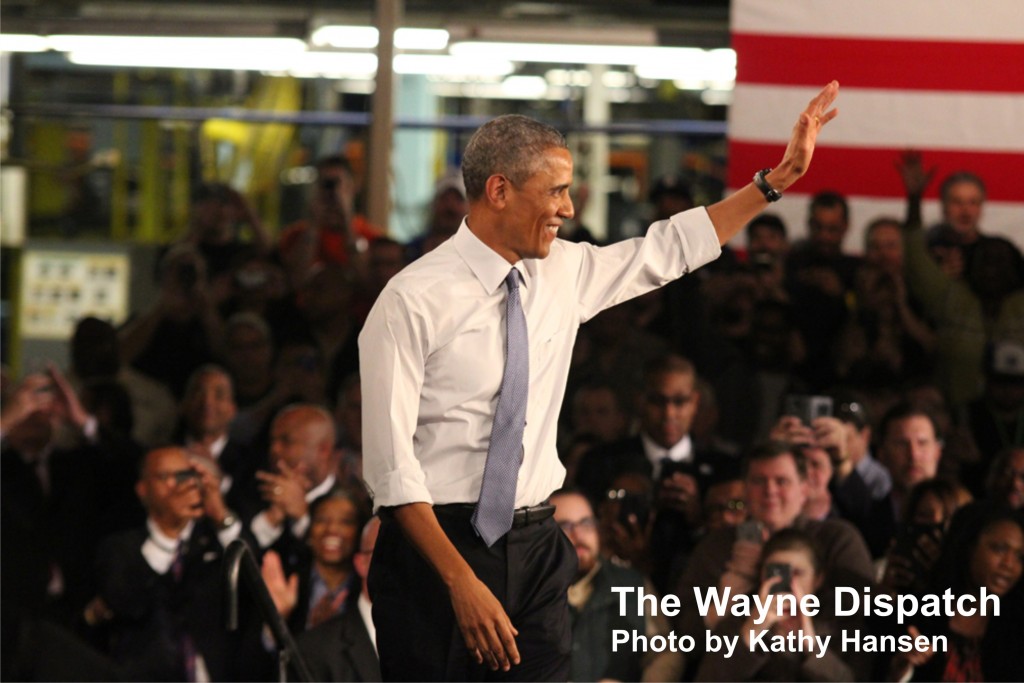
{"x": 393, "y": 349}
{"x": 624, "y": 270}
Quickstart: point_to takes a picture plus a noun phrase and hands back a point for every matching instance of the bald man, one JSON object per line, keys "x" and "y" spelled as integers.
{"x": 303, "y": 464}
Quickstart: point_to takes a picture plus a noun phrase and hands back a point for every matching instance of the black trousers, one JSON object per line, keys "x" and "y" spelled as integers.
{"x": 529, "y": 572}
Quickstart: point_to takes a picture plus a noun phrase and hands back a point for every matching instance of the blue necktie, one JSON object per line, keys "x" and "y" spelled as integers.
{"x": 493, "y": 515}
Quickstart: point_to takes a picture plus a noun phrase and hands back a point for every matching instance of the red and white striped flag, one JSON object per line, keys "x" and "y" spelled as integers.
{"x": 945, "y": 77}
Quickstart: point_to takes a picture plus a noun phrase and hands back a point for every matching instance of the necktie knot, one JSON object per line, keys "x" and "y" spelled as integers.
{"x": 512, "y": 280}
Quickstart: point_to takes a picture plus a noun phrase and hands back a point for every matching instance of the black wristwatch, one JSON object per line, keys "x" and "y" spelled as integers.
{"x": 769, "y": 192}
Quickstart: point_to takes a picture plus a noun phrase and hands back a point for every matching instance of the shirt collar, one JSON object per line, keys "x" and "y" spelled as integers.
{"x": 682, "y": 451}
{"x": 165, "y": 542}
{"x": 321, "y": 488}
{"x": 215, "y": 448}
{"x": 487, "y": 265}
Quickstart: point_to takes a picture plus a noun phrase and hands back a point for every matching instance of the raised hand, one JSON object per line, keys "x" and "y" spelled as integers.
{"x": 819, "y": 111}
{"x": 283, "y": 591}
{"x": 913, "y": 173}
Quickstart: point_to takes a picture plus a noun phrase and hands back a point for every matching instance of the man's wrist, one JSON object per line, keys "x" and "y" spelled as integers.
{"x": 781, "y": 177}
{"x": 226, "y": 520}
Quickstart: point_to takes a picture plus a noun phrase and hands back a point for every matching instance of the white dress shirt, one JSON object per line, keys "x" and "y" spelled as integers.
{"x": 432, "y": 354}
{"x": 159, "y": 549}
{"x": 682, "y": 451}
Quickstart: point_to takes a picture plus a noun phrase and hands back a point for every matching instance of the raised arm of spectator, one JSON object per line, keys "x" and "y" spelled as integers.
{"x": 924, "y": 277}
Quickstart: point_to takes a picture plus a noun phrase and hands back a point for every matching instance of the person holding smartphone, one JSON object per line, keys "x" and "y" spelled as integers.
{"x": 775, "y": 474}
{"x": 790, "y": 563}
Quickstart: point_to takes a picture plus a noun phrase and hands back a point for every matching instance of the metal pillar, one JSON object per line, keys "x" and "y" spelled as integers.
{"x": 388, "y": 19}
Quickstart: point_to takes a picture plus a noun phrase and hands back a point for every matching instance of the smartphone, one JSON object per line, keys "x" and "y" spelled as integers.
{"x": 807, "y": 408}
{"x": 750, "y": 531}
{"x": 780, "y": 569}
{"x": 632, "y": 504}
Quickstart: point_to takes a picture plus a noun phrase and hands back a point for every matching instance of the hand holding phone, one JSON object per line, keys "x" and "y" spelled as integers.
{"x": 782, "y": 570}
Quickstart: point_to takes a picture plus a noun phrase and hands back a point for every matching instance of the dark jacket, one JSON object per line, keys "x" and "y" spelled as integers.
{"x": 592, "y": 626}
{"x": 340, "y": 649}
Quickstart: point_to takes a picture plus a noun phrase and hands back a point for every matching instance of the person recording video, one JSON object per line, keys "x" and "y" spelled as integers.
{"x": 791, "y": 563}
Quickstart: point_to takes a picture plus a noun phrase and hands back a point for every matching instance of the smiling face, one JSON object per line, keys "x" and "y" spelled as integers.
{"x": 534, "y": 210}
{"x": 333, "y": 531}
{"x": 776, "y": 493}
{"x": 998, "y": 558}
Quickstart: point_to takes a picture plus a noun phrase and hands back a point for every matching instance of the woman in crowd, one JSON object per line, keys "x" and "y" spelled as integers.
{"x": 984, "y": 549}
{"x": 324, "y": 582}
{"x": 930, "y": 507}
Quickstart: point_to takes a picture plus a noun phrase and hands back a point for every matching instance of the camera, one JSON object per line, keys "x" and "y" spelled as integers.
{"x": 750, "y": 531}
{"x": 762, "y": 260}
{"x": 807, "y": 408}
{"x": 329, "y": 184}
{"x": 631, "y": 505}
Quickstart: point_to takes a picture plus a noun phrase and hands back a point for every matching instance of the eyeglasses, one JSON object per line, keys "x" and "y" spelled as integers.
{"x": 851, "y": 411}
{"x": 585, "y": 524}
{"x": 734, "y": 505}
{"x": 662, "y": 401}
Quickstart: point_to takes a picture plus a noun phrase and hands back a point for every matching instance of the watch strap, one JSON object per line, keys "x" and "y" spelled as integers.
{"x": 761, "y": 183}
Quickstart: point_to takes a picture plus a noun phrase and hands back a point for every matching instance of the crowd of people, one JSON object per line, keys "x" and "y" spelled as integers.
{"x": 857, "y": 417}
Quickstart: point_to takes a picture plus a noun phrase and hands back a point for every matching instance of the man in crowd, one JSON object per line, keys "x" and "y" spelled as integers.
{"x": 207, "y": 413}
{"x": 337, "y": 233}
{"x": 664, "y": 452}
{"x": 911, "y": 448}
{"x": 775, "y": 474}
{"x": 161, "y": 584}
{"x": 595, "y": 608}
{"x": 818, "y": 276}
{"x": 303, "y": 469}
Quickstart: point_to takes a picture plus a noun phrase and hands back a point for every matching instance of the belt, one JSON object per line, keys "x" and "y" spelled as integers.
{"x": 520, "y": 517}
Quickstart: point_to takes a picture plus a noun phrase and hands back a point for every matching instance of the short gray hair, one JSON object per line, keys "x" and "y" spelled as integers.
{"x": 510, "y": 145}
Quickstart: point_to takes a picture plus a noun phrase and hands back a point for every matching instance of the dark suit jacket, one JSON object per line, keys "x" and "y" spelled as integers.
{"x": 55, "y": 529}
{"x": 152, "y": 610}
{"x": 340, "y": 649}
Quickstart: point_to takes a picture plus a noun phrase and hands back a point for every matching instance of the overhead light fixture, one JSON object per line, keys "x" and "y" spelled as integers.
{"x": 367, "y": 37}
{"x": 320, "y": 64}
{"x": 524, "y": 87}
{"x": 693, "y": 65}
{"x": 451, "y": 66}
{"x": 168, "y": 44}
{"x": 630, "y": 55}
{"x": 19, "y": 42}
{"x": 693, "y": 68}
{"x": 179, "y": 52}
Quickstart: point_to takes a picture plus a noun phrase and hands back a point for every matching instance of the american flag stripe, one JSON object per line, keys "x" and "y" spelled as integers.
{"x": 882, "y": 64}
{"x": 945, "y": 78}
